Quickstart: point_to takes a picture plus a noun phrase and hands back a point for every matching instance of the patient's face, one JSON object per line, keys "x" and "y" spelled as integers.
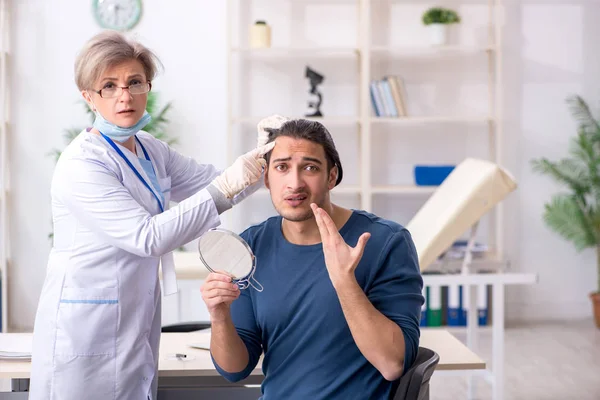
{"x": 297, "y": 176}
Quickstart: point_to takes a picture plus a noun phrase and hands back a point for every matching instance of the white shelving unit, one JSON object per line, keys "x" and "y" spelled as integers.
{"x": 365, "y": 55}
{"x": 4, "y": 170}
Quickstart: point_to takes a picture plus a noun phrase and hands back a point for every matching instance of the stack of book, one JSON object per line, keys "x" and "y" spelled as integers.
{"x": 388, "y": 97}
{"x": 14, "y": 346}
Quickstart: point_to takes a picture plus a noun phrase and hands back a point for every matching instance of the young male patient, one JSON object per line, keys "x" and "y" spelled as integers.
{"x": 339, "y": 314}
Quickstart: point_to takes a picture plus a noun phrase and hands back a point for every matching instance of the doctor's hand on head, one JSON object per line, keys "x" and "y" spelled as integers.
{"x": 218, "y": 292}
{"x": 273, "y": 122}
{"x": 245, "y": 171}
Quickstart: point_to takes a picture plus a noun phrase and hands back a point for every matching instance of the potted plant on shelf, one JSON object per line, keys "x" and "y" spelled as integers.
{"x": 575, "y": 214}
{"x": 437, "y": 20}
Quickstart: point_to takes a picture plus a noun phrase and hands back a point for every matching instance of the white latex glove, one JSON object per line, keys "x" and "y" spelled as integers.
{"x": 245, "y": 171}
{"x": 274, "y": 122}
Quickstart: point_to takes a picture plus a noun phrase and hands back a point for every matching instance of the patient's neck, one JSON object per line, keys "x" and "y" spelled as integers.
{"x": 305, "y": 233}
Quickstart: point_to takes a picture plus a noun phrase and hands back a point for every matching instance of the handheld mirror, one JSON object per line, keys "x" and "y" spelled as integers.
{"x": 223, "y": 250}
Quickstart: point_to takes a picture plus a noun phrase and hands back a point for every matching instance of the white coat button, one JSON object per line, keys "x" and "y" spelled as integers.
{"x": 150, "y": 292}
{"x": 145, "y": 378}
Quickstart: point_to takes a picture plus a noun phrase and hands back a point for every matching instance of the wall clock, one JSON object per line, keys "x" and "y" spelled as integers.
{"x": 120, "y": 15}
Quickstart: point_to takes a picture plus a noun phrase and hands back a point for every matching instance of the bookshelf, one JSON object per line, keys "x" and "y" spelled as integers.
{"x": 4, "y": 171}
{"x": 368, "y": 43}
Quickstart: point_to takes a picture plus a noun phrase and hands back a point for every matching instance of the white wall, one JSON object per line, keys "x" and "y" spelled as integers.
{"x": 551, "y": 52}
{"x": 544, "y": 52}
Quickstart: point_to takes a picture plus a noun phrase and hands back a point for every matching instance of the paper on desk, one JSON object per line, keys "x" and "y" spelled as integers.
{"x": 15, "y": 347}
{"x": 200, "y": 339}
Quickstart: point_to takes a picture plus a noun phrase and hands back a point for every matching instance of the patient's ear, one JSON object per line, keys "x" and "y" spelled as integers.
{"x": 333, "y": 174}
{"x": 267, "y": 177}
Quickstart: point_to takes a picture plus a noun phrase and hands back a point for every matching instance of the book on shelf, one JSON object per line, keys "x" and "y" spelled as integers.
{"x": 388, "y": 97}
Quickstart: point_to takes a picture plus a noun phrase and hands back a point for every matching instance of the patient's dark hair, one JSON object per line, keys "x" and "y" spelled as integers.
{"x": 316, "y": 133}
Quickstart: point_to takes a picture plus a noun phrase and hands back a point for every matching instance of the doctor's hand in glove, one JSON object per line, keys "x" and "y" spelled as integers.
{"x": 272, "y": 122}
{"x": 218, "y": 292}
{"x": 244, "y": 171}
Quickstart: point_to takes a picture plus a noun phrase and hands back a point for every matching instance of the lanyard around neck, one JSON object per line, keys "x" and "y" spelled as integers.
{"x": 114, "y": 146}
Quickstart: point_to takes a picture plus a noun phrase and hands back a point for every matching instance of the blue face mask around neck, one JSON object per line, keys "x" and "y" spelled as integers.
{"x": 119, "y": 133}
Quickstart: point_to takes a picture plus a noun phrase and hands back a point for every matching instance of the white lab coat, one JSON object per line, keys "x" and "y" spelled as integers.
{"x": 97, "y": 327}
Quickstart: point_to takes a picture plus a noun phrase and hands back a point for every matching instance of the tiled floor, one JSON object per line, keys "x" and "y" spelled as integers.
{"x": 552, "y": 361}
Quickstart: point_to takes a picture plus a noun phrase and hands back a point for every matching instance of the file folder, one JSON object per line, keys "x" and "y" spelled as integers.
{"x": 454, "y": 310}
{"x": 482, "y": 305}
{"x": 434, "y": 310}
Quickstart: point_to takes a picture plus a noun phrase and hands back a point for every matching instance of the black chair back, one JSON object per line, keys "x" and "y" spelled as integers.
{"x": 186, "y": 326}
{"x": 414, "y": 384}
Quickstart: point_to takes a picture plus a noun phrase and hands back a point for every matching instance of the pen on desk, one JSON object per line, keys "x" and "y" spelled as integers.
{"x": 180, "y": 355}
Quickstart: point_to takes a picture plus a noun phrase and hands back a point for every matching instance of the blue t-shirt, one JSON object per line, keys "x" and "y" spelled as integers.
{"x": 298, "y": 320}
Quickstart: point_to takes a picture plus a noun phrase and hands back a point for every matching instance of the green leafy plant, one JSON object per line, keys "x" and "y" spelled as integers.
{"x": 575, "y": 213}
{"x": 438, "y": 15}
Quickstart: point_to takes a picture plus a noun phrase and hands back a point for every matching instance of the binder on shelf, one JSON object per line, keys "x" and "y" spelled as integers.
{"x": 464, "y": 304}
{"x": 424, "y": 308}
{"x": 434, "y": 309}
{"x": 454, "y": 312}
{"x": 482, "y": 305}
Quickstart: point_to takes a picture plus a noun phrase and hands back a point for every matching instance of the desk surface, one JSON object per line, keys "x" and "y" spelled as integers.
{"x": 454, "y": 355}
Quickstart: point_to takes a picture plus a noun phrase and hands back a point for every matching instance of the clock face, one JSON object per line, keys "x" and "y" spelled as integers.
{"x": 117, "y": 14}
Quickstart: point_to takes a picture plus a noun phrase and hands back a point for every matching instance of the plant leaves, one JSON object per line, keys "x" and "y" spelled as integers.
{"x": 564, "y": 215}
{"x": 581, "y": 112}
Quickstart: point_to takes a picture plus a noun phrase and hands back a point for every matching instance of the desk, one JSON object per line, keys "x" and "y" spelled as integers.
{"x": 454, "y": 355}
{"x": 199, "y": 372}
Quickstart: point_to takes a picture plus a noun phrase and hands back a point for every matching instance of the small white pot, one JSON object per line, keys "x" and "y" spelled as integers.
{"x": 438, "y": 34}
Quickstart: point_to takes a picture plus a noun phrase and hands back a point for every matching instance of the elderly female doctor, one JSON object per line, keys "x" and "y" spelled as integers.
{"x": 97, "y": 327}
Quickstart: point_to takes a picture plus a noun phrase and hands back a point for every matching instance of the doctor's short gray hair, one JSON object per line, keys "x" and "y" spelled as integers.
{"x": 313, "y": 131}
{"x": 107, "y": 49}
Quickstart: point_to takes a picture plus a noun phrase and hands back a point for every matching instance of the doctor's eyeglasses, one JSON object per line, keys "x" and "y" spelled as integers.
{"x": 117, "y": 91}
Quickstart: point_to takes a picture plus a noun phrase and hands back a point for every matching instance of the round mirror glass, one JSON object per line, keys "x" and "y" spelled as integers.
{"x": 222, "y": 250}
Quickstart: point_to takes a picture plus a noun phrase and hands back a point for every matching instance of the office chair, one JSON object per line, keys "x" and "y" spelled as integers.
{"x": 186, "y": 326}
{"x": 414, "y": 384}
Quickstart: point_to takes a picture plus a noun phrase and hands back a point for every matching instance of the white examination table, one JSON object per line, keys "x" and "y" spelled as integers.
{"x": 472, "y": 189}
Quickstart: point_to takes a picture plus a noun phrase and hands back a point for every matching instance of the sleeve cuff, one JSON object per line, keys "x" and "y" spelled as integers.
{"x": 232, "y": 377}
{"x": 221, "y": 202}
